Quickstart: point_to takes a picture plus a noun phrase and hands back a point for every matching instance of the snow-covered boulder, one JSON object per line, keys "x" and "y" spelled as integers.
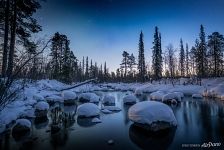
{"x": 158, "y": 95}
{"x": 138, "y": 91}
{"x": 88, "y": 110}
{"x": 41, "y": 109}
{"x": 108, "y": 100}
{"x": 89, "y": 97}
{"x": 129, "y": 99}
{"x": 42, "y": 106}
{"x": 152, "y": 114}
{"x": 38, "y": 97}
{"x": 197, "y": 96}
{"x": 217, "y": 91}
{"x": 180, "y": 94}
{"x": 170, "y": 96}
{"x": 22, "y": 127}
{"x": 69, "y": 97}
{"x": 54, "y": 98}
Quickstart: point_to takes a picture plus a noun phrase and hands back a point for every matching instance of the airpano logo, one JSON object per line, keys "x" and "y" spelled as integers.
{"x": 204, "y": 145}
{"x": 210, "y": 144}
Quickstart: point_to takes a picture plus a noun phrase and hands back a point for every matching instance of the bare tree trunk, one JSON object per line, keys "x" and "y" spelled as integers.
{"x": 12, "y": 41}
{"x": 6, "y": 38}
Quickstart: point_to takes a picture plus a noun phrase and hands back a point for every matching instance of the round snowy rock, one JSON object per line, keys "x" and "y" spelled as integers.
{"x": 23, "y": 122}
{"x": 170, "y": 96}
{"x": 158, "y": 95}
{"x": 54, "y": 98}
{"x": 68, "y": 95}
{"x": 129, "y": 99}
{"x": 197, "y": 96}
{"x": 38, "y": 97}
{"x": 21, "y": 127}
{"x": 89, "y": 97}
{"x": 42, "y": 106}
{"x": 150, "y": 112}
{"x": 88, "y": 110}
{"x": 108, "y": 99}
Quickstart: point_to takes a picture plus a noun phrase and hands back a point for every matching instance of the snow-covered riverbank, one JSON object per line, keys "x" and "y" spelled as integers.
{"x": 46, "y": 90}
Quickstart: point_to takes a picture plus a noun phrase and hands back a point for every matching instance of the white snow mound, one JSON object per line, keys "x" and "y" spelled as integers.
{"x": 23, "y": 122}
{"x": 88, "y": 110}
{"x": 89, "y": 97}
{"x": 148, "y": 112}
{"x": 42, "y": 106}
{"x": 68, "y": 95}
{"x": 38, "y": 97}
{"x": 158, "y": 95}
{"x": 129, "y": 99}
{"x": 54, "y": 98}
{"x": 171, "y": 96}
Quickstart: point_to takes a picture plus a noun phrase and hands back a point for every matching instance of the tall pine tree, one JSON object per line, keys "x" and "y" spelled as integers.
{"x": 216, "y": 49}
{"x": 157, "y": 55}
{"x": 182, "y": 59}
{"x": 141, "y": 59}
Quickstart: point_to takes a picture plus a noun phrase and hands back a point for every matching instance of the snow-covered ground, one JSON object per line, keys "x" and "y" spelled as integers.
{"x": 48, "y": 90}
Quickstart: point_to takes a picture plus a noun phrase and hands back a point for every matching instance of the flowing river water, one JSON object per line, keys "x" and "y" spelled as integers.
{"x": 199, "y": 122}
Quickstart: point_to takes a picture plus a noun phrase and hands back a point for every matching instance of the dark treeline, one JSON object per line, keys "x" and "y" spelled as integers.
{"x": 204, "y": 59}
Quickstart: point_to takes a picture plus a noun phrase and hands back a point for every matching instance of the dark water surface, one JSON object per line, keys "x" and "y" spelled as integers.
{"x": 199, "y": 121}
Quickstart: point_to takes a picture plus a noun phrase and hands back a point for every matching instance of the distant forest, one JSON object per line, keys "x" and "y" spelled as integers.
{"x": 23, "y": 56}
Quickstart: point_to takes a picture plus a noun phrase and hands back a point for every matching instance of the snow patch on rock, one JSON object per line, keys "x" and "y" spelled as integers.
{"x": 88, "y": 110}
{"x": 42, "y": 106}
{"x": 68, "y": 95}
{"x": 89, "y": 97}
{"x": 148, "y": 112}
{"x": 130, "y": 99}
{"x": 108, "y": 99}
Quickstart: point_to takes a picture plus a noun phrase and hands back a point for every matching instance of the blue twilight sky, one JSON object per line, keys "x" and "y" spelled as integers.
{"x": 102, "y": 29}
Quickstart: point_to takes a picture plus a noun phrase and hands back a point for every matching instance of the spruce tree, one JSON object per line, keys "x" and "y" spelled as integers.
{"x": 21, "y": 26}
{"x": 157, "y": 55}
{"x": 141, "y": 59}
{"x": 124, "y": 63}
{"x": 201, "y": 54}
{"x": 182, "y": 59}
{"x": 216, "y": 49}
{"x": 87, "y": 68}
{"x": 187, "y": 61}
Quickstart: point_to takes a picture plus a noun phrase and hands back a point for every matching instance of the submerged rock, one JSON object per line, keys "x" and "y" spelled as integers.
{"x": 151, "y": 140}
{"x": 21, "y": 129}
{"x": 110, "y": 142}
{"x": 152, "y": 115}
{"x": 41, "y": 109}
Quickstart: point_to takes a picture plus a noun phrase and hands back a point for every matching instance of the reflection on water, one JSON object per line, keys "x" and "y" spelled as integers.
{"x": 145, "y": 139}
{"x": 199, "y": 121}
